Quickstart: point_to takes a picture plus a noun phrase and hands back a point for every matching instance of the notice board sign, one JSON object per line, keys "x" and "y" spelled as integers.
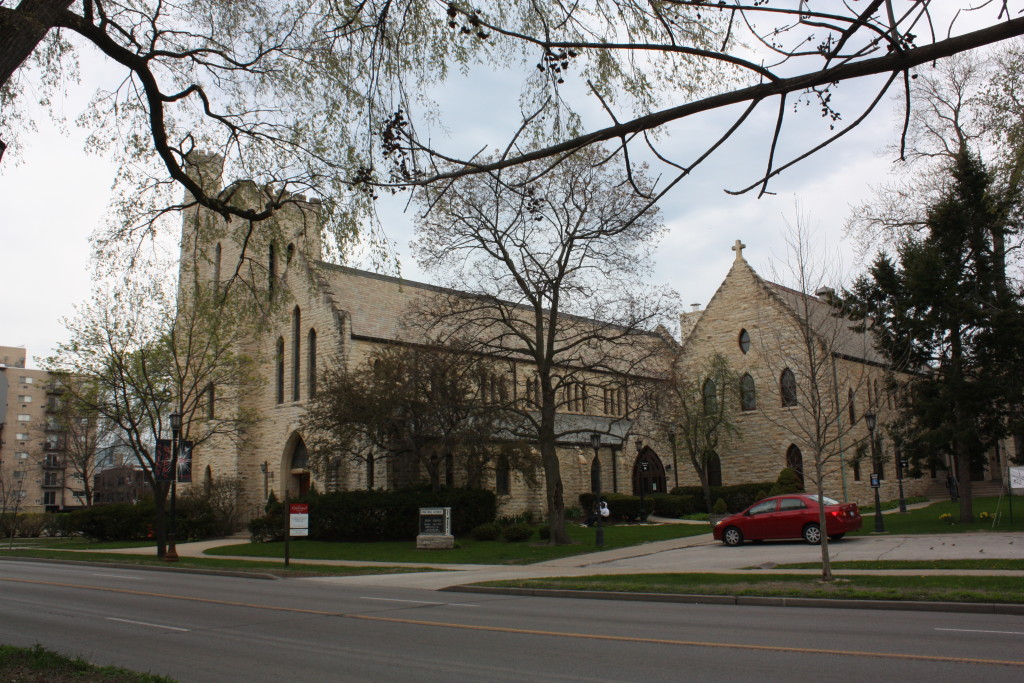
{"x": 298, "y": 519}
{"x": 1017, "y": 477}
{"x": 435, "y": 521}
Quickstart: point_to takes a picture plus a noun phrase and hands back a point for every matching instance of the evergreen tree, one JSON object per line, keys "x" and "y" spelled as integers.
{"x": 943, "y": 311}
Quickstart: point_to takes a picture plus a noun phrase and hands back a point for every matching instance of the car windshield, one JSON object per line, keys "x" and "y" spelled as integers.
{"x": 826, "y": 499}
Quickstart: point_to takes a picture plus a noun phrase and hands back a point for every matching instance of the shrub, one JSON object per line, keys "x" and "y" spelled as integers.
{"x": 266, "y": 529}
{"x": 515, "y": 533}
{"x": 788, "y": 482}
{"x": 667, "y": 505}
{"x": 485, "y": 532}
{"x": 117, "y": 521}
{"x": 737, "y": 496}
{"x": 386, "y": 515}
{"x": 621, "y": 507}
{"x": 60, "y": 524}
{"x": 720, "y": 508}
{"x": 544, "y": 532}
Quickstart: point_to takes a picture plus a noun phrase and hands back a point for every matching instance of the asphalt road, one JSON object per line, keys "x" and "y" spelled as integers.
{"x": 215, "y": 628}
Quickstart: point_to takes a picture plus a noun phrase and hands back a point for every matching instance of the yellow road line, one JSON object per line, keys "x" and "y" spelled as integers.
{"x": 531, "y": 632}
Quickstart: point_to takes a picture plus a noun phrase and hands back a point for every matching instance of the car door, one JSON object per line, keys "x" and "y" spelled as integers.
{"x": 758, "y": 522}
{"x": 789, "y": 521}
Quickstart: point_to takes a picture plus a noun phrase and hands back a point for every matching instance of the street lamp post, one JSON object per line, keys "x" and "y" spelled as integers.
{"x": 171, "y": 555}
{"x": 876, "y": 483}
{"x": 900, "y": 465}
{"x": 642, "y": 466}
{"x": 595, "y": 442}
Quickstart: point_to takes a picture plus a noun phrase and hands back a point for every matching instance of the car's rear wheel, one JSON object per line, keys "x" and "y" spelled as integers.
{"x": 836, "y": 537}
{"x": 732, "y": 536}
{"x": 812, "y": 534}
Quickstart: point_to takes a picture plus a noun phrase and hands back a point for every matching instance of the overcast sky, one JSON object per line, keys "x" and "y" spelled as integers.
{"x": 58, "y": 194}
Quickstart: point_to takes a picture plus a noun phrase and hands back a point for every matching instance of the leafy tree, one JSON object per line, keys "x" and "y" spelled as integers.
{"x": 943, "y": 311}
{"x": 553, "y": 263}
{"x": 147, "y": 354}
{"x": 648, "y": 67}
{"x": 83, "y": 431}
{"x": 319, "y": 97}
{"x": 812, "y": 340}
{"x": 259, "y": 84}
{"x": 414, "y": 408}
{"x": 698, "y": 409}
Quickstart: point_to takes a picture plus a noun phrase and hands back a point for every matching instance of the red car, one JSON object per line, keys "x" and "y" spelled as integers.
{"x": 791, "y": 516}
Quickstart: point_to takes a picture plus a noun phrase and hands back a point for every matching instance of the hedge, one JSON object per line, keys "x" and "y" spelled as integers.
{"x": 737, "y": 497}
{"x": 380, "y": 515}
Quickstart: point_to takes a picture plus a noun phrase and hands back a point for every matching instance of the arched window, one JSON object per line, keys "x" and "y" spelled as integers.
{"x": 502, "y": 477}
{"x": 271, "y": 270}
{"x": 710, "y": 392}
{"x": 279, "y": 360}
{"x": 748, "y": 398}
{"x": 290, "y": 252}
{"x": 744, "y": 341}
{"x": 311, "y": 363}
{"x": 713, "y": 467}
{"x": 795, "y": 461}
{"x": 595, "y": 475}
{"x": 850, "y": 396}
{"x": 216, "y": 267}
{"x": 296, "y": 352}
{"x": 787, "y": 388}
{"x": 211, "y": 402}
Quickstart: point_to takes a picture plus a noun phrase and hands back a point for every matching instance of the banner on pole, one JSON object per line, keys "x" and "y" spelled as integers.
{"x": 162, "y": 462}
{"x": 185, "y": 461}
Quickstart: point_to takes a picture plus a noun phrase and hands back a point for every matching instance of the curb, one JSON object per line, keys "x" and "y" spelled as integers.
{"x": 148, "y": 567}
{"x": 751, "y": 601}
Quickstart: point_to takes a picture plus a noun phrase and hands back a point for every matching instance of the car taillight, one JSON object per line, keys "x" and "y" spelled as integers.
{"x": 836, "y": 513}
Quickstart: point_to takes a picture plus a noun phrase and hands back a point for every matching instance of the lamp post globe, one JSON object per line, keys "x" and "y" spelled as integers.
{"x": 171, "y": 554}
{"x": 872, "y": 421}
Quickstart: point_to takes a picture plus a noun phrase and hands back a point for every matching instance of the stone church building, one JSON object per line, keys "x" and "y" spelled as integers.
{"x": 329, "y": 314}
{"x": 319, "y": 314}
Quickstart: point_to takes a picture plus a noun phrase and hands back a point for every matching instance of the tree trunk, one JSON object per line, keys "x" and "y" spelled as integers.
{"x": 552, "y": 470}
{"x": 21, "y": 30}
{"x": 826, "y": 560}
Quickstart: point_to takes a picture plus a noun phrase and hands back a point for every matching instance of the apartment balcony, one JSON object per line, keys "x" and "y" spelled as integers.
{"x": 52, "y": 463}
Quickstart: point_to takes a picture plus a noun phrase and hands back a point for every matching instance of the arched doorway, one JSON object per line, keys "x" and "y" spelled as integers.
{"x": 648, "y": 473}
{"x": 296, "y": 466}
{"x": 795, "y": 461}
{"x": 713, "y": 468}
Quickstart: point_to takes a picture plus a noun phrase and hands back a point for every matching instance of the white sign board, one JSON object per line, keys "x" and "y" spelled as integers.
{"x": 298, "y": 519}
{"x": 1017, "y": 477}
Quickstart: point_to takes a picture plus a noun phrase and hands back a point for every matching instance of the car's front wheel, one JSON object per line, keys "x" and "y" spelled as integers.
{"x": 732, "y": 536}
{"x": 812, "y": 534}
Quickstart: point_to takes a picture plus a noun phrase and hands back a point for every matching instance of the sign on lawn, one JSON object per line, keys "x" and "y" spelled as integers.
{"x": 1017, "y": 477}
{"x": 435, "y": 521}
{"x": 298, "y": 519}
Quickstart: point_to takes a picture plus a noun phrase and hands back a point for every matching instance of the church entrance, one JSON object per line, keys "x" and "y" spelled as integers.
{"x": 298, "y": 468}
{"x": 648, "y": 473}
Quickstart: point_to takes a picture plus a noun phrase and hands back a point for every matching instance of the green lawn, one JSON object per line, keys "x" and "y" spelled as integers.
{"x": 993, "y": 564}
{"x": 926, "y": 520}
{"x": 38, "y": 664}
{"x": 945, "y": 588}
{"x": 468, "y": 550}
{"x": 294, "y": 570}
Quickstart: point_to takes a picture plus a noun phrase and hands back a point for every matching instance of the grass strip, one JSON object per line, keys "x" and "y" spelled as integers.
{"x": 991, "y": 564}
{"x": 256, "y": 567}
{"x": 468, "y": 550}
{"x": 944, "y": 588}
{"x": 39, "y": 664}
{"x": 992, "y": 513}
